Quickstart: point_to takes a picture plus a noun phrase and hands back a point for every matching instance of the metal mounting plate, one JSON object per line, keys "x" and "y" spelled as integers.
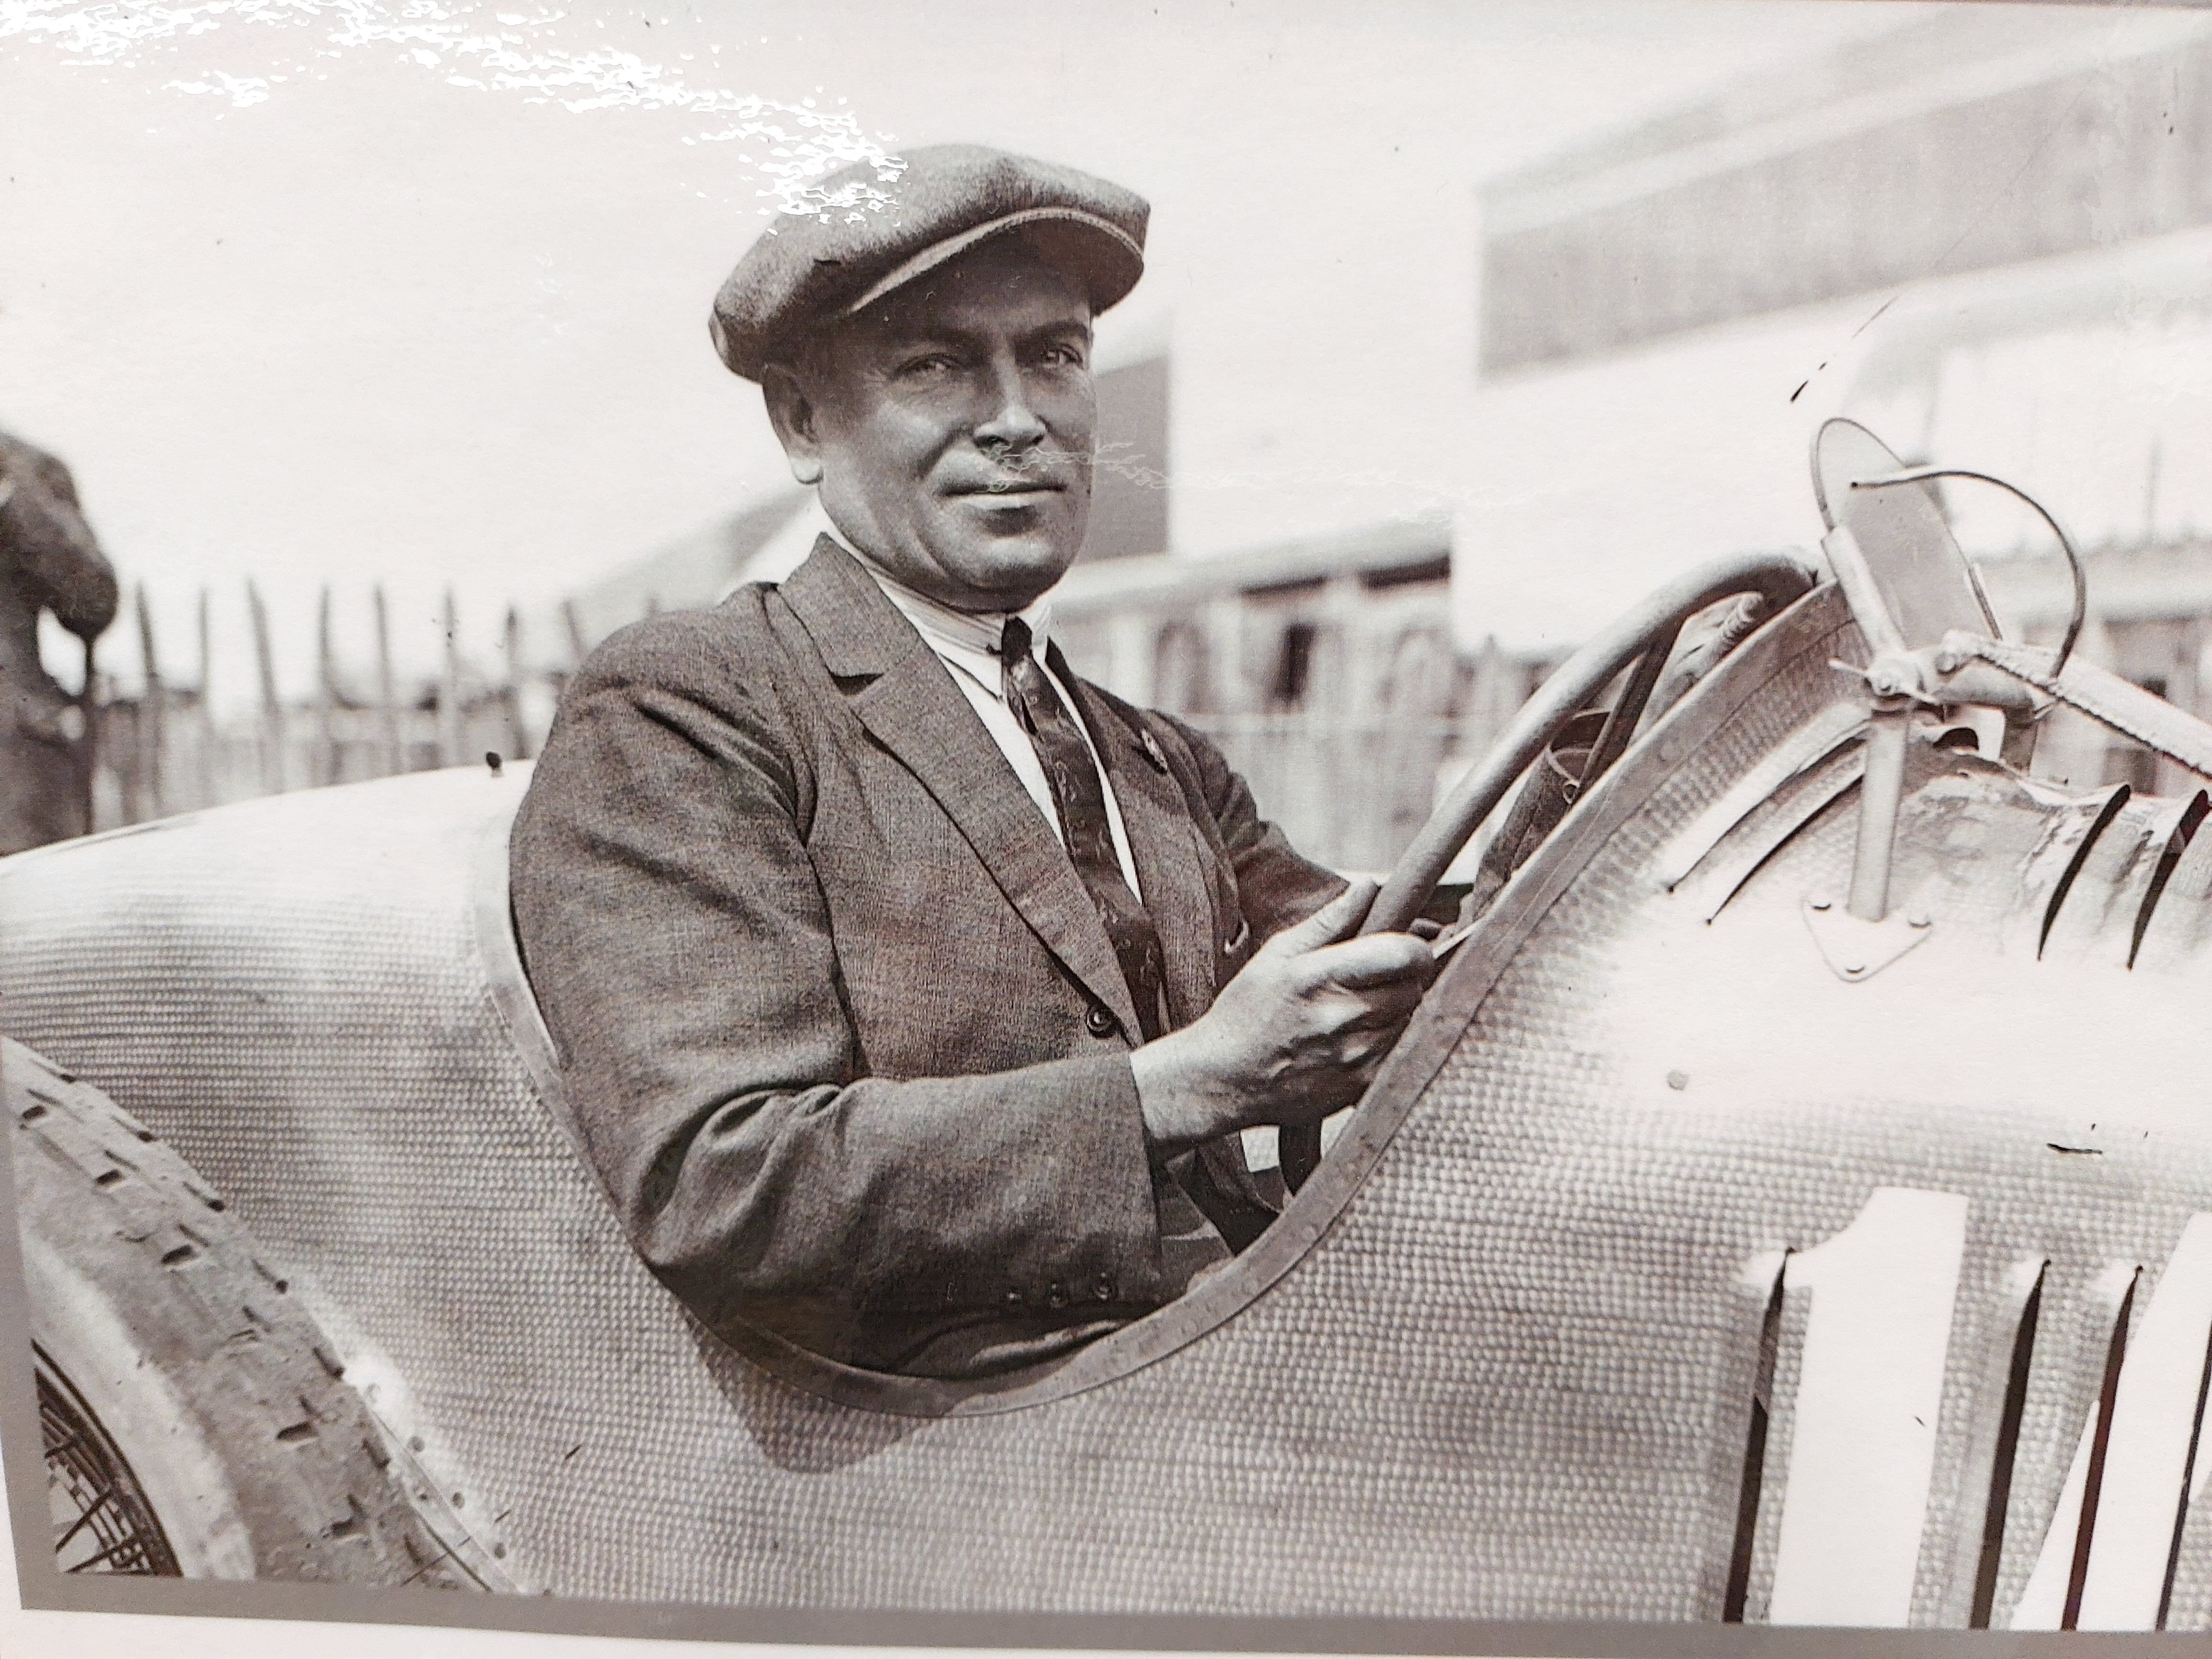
{"x": 1855, "y": 948}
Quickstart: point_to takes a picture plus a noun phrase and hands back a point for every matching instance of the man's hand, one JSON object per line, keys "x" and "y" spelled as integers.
{"x": 1295, "y": 1036}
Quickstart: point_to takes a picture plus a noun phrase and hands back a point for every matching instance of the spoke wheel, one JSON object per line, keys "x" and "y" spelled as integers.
{"x": 197, "y": 1421}
{"x": 103, "y": 1520}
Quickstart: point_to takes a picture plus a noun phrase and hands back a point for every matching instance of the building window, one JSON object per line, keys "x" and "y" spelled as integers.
{"x": 1182, "y": 681}
{"x": 1294, "y": 666}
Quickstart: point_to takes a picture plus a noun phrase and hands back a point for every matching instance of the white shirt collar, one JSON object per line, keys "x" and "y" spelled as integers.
{"x": 966, "y": 638}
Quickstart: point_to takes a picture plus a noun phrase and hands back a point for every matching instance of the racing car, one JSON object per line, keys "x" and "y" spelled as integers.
{"x": 1792, "y": 1204}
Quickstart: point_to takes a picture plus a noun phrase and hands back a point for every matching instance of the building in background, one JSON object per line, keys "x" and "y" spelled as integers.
{"x": 1324, "y": 670}
{"x": 1986, "y": 235}
{"x": 1130, "y": 490}
{"x": 693, "y": 570}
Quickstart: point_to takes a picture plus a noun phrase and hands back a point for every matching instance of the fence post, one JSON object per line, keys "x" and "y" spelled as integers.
{"x": 518, "y": 740}
{"x": 577, "y": 652}
{"x": 451, "y": 732}
{"x": 88, "y": 719}
{"x": 153, "y": 723}
{"x": 210, "y": 761}
{"x": 272, "y": 711}
{"x": 326, "y": 759}
{"x": 387, "y": 705}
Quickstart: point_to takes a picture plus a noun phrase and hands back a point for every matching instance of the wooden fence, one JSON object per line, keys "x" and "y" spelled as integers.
{"x": 163, "y": 749}
{"x": 1349, "y": 792}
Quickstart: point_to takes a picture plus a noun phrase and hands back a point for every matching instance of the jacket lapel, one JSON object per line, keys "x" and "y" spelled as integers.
{"x": 906, "y": 699}
{"x": 1164, "y": 845}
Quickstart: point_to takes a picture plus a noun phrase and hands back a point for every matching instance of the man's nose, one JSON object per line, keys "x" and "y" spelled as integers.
{"x": 1011, "y": 423}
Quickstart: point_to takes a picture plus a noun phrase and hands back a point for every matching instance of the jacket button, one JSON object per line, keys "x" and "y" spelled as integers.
{"x": 1104, "y": 1290}
{"x": 1101, "y": 1020}
{"x": 1014, "y": 1299}
{"x": 1057, "y": 1296}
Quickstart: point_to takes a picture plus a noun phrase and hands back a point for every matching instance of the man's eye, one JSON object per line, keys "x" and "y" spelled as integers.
{"x": 1064, "y": 356}
{"x": 934, "y": 365}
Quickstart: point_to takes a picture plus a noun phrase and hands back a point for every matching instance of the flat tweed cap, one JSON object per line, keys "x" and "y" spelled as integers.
{"x": 807, "y": 268}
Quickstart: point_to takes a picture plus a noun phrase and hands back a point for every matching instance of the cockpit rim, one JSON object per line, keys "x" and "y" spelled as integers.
{"x": 1449, "y": 1006}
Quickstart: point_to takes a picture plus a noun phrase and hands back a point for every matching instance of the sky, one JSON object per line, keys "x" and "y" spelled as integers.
{"x": 341, "y": 292}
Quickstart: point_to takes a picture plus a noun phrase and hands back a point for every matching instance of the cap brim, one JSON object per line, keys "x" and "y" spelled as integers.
{"x": 1113, "y": 259}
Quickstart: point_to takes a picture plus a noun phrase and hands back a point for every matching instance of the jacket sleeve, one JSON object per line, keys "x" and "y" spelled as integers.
{"x": 60, "y": 560}
{"x": 680, "y": 946}
{"x": 1275, "y": 886}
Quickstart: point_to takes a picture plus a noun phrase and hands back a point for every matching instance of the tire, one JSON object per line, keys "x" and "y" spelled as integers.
{"x": 197, "y": 1420}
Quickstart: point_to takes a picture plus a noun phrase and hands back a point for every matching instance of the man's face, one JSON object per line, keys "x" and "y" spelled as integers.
{"x": 953, "y": 425}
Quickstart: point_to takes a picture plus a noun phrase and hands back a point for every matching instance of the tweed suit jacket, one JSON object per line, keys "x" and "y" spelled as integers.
{"x": 839, "y": 1025}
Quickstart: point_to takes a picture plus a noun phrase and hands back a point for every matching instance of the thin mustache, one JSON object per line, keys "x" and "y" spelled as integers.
{"x": 1041, "y": 468}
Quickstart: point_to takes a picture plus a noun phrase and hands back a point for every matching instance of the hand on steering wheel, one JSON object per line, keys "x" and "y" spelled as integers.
{"x": 1644, "y": 635}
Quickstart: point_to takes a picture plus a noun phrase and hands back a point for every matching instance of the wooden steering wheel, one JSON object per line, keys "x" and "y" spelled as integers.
{"x": 1645, "y": 636}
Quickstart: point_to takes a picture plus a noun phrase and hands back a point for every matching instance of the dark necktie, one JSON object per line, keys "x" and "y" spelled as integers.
{"x": 1080, "y": 798}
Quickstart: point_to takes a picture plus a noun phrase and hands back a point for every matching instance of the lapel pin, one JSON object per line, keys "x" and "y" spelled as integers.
{"x": 1153, "y": 750}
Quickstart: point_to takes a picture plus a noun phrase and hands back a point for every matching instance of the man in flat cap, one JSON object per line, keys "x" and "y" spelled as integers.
{"x": 910, "y": 990}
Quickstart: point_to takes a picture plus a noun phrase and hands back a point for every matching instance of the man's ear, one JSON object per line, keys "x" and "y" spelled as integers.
{"x": 794, "y": 414}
